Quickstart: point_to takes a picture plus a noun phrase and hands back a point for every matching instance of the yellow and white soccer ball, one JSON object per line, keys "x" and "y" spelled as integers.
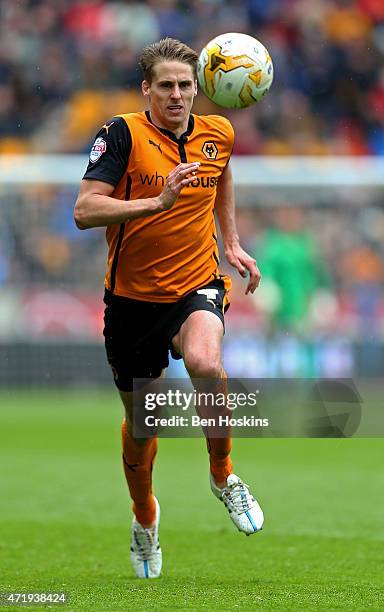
{"x": 235, "y": 70}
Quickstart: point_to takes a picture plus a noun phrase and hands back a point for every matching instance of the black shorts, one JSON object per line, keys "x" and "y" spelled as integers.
{"x": 138, "y": 334}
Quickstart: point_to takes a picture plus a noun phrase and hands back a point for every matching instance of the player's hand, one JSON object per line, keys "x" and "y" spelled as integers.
{"x": 177, "y": 179}
{"x": 244, "y": 263}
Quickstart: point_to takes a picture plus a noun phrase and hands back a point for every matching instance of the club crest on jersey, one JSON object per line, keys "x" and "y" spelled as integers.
{"x": 99, "y": 147}
{"x": 210, "y": 149}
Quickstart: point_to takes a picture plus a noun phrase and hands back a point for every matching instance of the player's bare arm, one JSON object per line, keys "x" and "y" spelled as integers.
{"x": 235, "y": 255}
{"x": 95, "y": 206}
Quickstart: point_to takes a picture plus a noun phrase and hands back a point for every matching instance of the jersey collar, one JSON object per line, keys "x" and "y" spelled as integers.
{"x": 171, "y": 135}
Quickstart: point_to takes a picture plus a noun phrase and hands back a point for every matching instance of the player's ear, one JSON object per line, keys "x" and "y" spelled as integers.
{"x": 145, "y": 88}
{"x": 195, "y": 89}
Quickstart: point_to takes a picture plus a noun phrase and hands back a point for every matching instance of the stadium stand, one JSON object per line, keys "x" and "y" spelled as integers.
{"x": 61, "y": 63}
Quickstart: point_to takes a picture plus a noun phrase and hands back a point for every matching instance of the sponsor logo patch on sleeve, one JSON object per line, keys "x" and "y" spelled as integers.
{"x": 98, "y": 148}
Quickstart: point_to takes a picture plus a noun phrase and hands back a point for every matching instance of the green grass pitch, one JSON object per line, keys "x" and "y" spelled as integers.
{"x": 65, "y": 516}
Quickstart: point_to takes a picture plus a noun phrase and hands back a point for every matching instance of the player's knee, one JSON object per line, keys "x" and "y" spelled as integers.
{"x": 203, "y": 365}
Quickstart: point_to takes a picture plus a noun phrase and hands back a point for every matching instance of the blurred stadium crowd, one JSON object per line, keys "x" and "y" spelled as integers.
{"x": 66, "y": 65}
{"x": 322, "y": 266}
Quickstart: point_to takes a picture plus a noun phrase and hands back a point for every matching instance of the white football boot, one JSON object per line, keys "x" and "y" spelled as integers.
{"x": 146, "y": 555}
{"x": 243, "y": 509}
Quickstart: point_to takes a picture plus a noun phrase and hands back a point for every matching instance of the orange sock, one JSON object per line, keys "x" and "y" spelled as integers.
{"x": 219, "y": 448}
{"x": 138, "y": 459}
{"x": 220, "y": 460}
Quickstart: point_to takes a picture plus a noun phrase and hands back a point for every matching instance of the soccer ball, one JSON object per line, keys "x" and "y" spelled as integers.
{"x": 235, "y": 70}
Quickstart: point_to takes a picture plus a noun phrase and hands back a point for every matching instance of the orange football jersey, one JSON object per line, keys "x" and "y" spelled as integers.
{"x": 163, "y": 257}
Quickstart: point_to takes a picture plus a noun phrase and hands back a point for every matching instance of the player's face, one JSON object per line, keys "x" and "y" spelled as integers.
{"x": 171, "y": 95}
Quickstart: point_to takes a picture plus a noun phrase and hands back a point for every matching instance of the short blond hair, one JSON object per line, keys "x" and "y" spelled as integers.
{"x": 166, "y": 49}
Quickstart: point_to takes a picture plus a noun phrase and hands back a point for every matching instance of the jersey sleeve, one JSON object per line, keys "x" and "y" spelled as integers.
{"x": 109, "y": 155}
{"x": 230, "y": 135}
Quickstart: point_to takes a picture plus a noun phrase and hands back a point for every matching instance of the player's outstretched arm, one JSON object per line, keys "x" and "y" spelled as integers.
{"x": 235, "y": 255}
{"x": 95, "y": 206}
